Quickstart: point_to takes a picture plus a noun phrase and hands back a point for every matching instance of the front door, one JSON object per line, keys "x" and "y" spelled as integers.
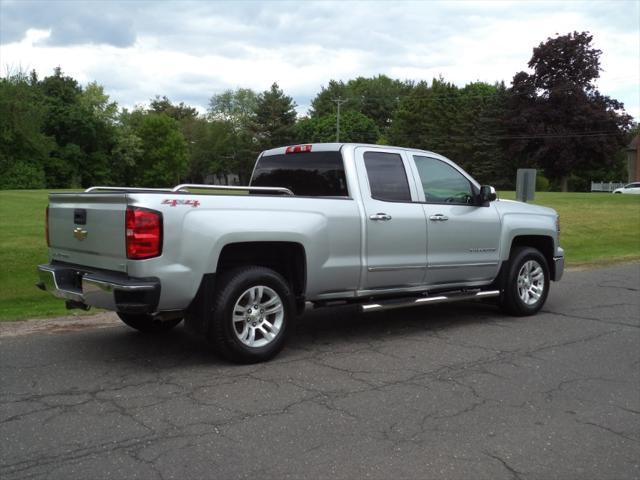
{"x": 462, "y": 237}
{"x": 395, "y": 245}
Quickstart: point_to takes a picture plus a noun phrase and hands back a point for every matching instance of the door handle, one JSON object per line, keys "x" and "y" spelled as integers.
{"x": 380, "y": 216}
{"x": 438, "y": 217}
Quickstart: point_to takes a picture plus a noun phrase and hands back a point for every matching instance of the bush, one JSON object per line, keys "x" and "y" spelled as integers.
{"x": 542, "y": 183}
{"x": 22, "y": 175}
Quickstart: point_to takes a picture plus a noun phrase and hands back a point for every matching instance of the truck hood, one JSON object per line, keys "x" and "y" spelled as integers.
{"x": 512, "y": 206}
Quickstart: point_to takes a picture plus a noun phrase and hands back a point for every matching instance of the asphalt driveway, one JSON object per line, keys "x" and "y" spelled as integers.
{"x": 441, "y": 392}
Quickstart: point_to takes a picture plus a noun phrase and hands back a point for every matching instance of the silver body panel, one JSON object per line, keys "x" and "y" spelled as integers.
{"x": 348, "y": 255}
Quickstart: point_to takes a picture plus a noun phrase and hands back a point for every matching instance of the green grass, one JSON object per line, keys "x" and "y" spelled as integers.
{"x": 22, "y": 247}
{"x": 596, "y": 228}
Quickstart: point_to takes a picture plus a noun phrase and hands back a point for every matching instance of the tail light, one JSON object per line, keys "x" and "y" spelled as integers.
{"x": 298, "y": 149}
{"x": 46, "y": 226}
{"x": 144, "y": 233}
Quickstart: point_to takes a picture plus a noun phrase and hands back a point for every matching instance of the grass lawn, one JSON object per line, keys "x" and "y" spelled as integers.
{"x": 22, "y": 247}
{"x": 596, "y": 227}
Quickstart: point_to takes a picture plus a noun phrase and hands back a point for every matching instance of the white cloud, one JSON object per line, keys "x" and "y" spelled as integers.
{"x": 189, "y": 51}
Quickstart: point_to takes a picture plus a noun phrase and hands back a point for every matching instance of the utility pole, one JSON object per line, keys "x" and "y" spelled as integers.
{"x": 338, "y": 101}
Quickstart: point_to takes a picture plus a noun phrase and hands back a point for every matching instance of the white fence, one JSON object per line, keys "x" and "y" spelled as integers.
{"x": 605, "y": 186}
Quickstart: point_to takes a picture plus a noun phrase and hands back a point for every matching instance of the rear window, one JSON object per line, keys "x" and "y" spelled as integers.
{"x": 311, "y": 174}
{"x": 387, "y": 178}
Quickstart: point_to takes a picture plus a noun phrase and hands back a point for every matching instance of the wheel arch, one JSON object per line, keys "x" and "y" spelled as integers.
{"x": 543, "y": 243}
{"x": 286, "y": 258}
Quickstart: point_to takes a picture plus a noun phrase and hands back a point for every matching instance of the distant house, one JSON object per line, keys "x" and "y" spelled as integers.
{"x": 633, "y": 159}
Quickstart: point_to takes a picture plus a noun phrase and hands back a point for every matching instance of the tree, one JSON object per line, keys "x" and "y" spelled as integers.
{"x": 481, "y": 110}
{"x": 354, "y": 127}
{"x": 24, "y": 149}
{"x": 127, "y": 152}
{"x": 236, "y": 109}
{"x": 179, "y": 112}
{"x": 557, "y": 118}
{"x": 211, "y": 149}
{"x": 377, "y": 98}
{"x": 275, "y": 118}
{"x": 428, "y": 118}
{"x": 234, "y": 106}
{"x": 94, "y": 101}
{"x": 163, "y": 158}
{"x": 82, "y": 122}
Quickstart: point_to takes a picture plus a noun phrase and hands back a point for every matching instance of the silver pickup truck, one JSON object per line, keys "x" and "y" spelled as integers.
{"x": 320, "y": 224}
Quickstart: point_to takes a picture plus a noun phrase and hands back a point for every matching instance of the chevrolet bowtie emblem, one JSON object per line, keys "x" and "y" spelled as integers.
{"x": 79, "y": 233}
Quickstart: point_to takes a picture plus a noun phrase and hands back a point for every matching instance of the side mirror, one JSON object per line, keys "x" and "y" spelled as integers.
{"x": 487, "y": 194}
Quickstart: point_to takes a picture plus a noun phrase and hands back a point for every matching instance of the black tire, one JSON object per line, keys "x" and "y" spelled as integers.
{"x": 147, "y": 324}
{"x": 511, "y": 300}
{"x": 224, "y": 333}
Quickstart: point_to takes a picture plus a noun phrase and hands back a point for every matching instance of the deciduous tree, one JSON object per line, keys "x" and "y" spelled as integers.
{"x": 557, "y": 118}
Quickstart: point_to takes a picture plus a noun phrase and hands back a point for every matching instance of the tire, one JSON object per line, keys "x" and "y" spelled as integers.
{"x": 238, "y": 331}
{"x": 526, "y": 283}
{"x": 147, "y": 324}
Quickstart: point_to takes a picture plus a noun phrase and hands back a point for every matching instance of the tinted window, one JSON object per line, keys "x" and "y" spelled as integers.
{"x": 387, "y": 178}
{"x": 314, "y": 174}
{"x": 442, "y": 183}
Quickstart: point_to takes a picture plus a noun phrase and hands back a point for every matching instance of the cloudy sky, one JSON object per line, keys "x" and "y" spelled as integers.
{"x": 189, "y": 50}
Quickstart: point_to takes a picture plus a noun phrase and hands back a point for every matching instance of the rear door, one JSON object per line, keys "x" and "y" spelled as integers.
{"x": 88, "y": 229}
{"x": 395, "y": 234}
{"x": 462, "y": 237}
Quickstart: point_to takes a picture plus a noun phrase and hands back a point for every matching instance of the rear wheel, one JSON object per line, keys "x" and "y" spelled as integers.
{"x": 147, "y": 324}
{"x": 526, "y": 285}
{"x": 251, "y": 314}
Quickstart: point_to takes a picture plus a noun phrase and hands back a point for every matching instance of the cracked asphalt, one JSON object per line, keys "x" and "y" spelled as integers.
{"x": 441, "y": 392}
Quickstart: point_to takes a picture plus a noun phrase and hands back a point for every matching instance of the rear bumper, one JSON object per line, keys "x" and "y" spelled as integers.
{"x": 100, "y": 288}
{"x": 558, "y": 265}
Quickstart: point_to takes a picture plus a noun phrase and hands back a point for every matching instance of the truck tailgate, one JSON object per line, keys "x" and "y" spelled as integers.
{"x": 88, "y": 229}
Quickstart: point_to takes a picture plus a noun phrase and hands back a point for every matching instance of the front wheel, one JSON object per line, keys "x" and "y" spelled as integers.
{"x": 251, "y": 314}
{"x": 147, "y": 324}
{"x": 526, "y": 285}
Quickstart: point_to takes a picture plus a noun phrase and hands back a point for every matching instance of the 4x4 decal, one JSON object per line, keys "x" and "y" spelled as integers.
{"x": 172, "y": 202}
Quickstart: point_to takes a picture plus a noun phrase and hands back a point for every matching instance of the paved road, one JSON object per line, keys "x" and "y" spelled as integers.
{"x": 452, "y": 392}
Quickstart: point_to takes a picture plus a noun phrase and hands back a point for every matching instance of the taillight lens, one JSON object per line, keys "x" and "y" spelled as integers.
{"x": 144, "y": 233}
{"x": 46, "y": 226}
{"x": 298, "y": 149}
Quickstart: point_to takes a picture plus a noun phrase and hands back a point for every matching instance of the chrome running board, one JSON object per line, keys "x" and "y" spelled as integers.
{"x": 414, "y": 302}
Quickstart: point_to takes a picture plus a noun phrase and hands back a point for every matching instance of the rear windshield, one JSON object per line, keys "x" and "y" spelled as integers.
{"x": 312, "y": 174}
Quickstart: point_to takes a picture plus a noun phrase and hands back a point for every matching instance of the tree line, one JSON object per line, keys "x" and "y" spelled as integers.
{"x": 55, "y": 133}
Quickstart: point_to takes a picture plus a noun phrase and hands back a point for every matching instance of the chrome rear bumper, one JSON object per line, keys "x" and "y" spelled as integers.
{"x": 102, "y": 289}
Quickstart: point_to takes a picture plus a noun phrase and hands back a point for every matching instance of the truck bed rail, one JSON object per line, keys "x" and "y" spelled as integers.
{"x": 126, "y": 189}
{"x": 186, "y": 186}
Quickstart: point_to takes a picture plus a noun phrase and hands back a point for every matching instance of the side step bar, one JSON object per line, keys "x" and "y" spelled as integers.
{"x": 414, "y": 302}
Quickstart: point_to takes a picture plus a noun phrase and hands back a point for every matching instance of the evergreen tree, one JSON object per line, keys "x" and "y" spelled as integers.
{"x": 275, "y": 119}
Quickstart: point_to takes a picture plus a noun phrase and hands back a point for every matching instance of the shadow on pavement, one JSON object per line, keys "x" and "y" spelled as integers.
{"x": 322, "y": 327}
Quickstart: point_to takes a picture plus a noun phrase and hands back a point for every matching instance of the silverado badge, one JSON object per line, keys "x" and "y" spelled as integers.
{"x": 79, "y": 233}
